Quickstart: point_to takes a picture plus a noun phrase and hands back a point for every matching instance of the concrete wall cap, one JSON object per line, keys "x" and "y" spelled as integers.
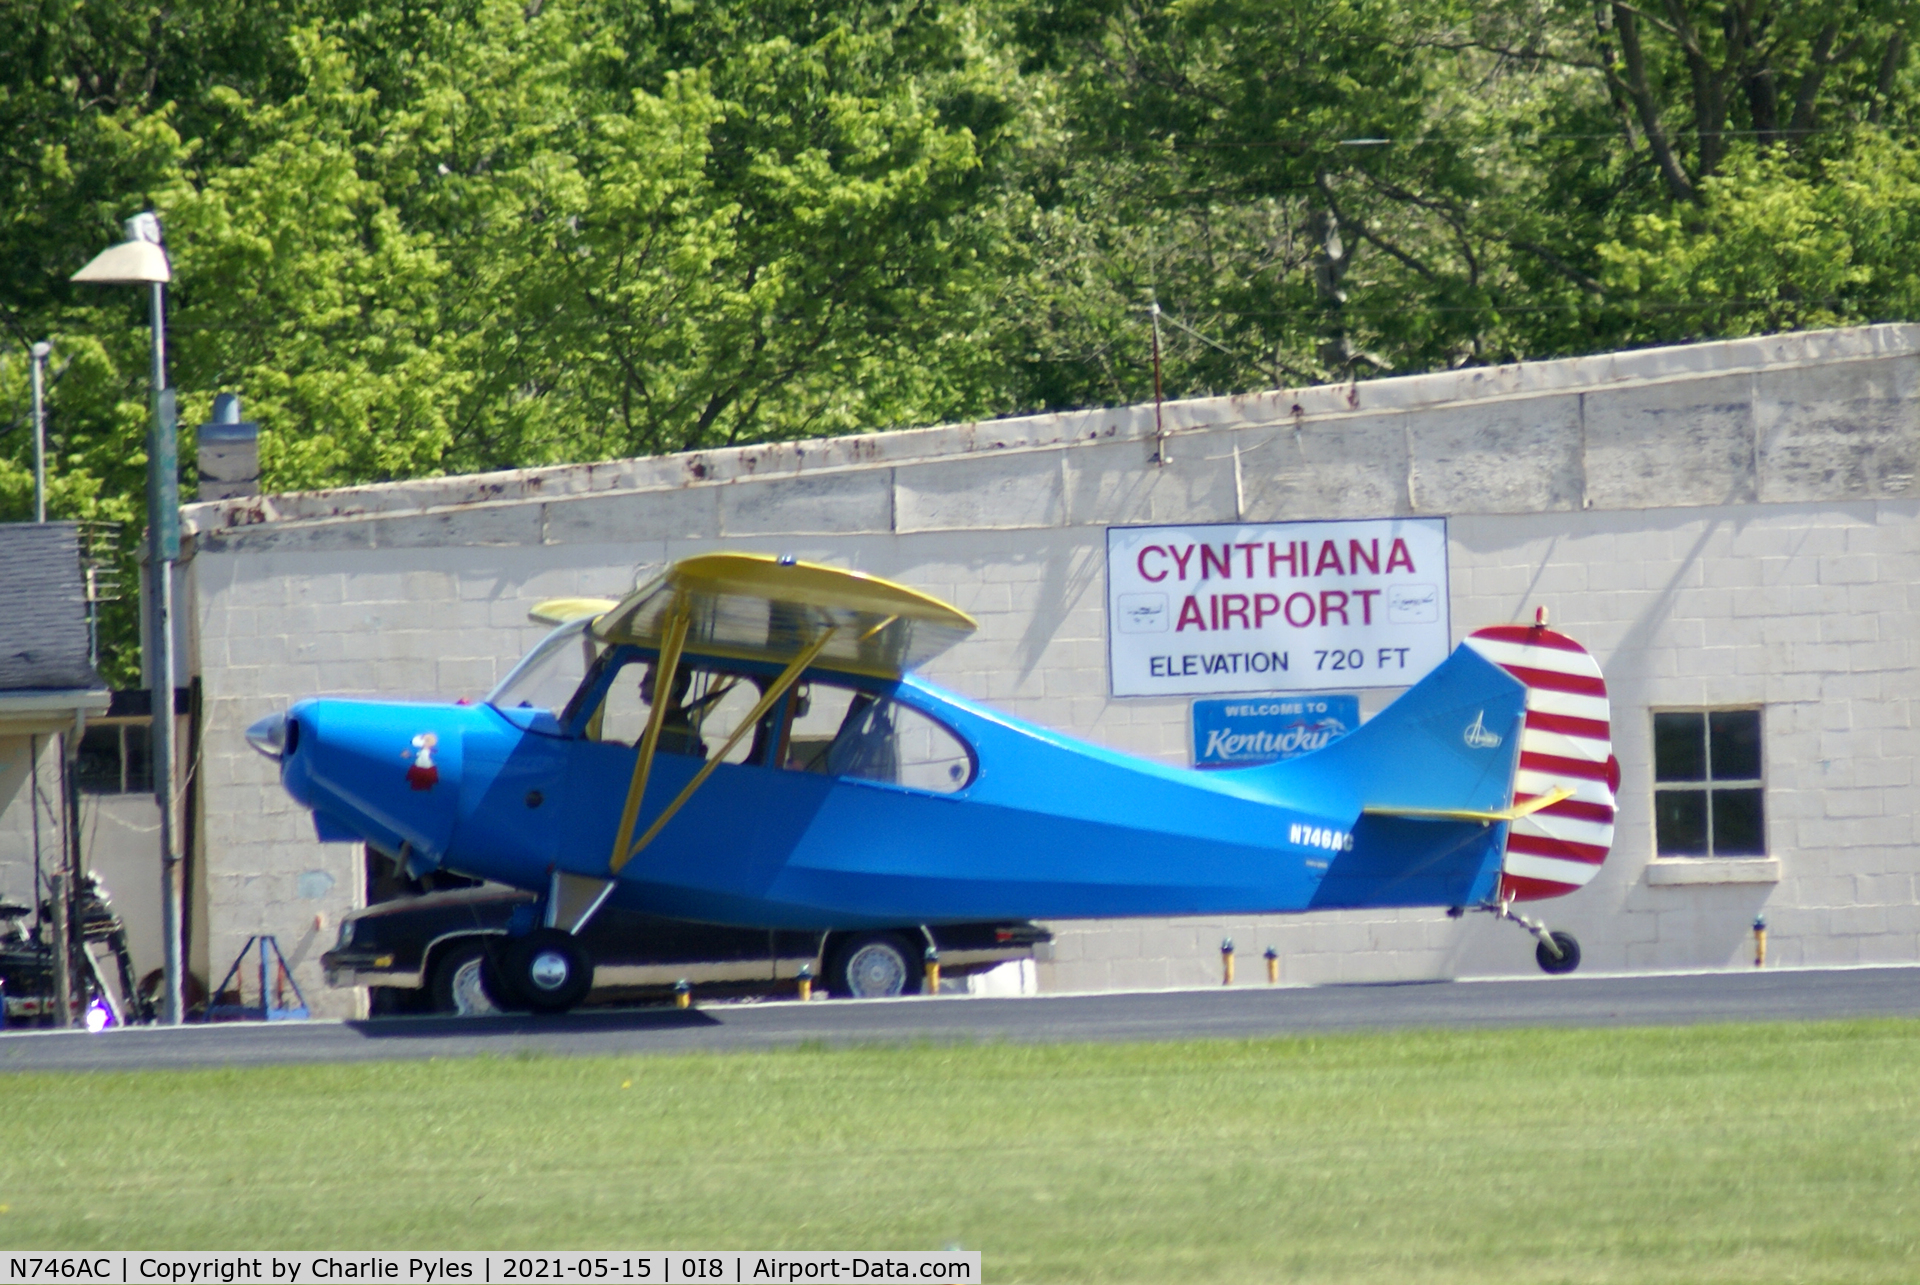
{"x": 1053, "y": 430}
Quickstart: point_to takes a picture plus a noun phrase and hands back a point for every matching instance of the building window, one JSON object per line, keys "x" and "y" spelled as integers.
{"x": 1707, "y": 792}
{"x": 113, "y": 759}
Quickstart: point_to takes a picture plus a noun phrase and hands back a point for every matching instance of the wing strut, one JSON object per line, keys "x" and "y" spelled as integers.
{"x": 664, "y": 670}
{"x": 788, "y": 676}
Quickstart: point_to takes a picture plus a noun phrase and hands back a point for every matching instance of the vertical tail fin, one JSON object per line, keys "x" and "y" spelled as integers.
{"x": 1565, "y": 746}
{"x": 1428, "y": 781}
{"x": 1449, "y": 743}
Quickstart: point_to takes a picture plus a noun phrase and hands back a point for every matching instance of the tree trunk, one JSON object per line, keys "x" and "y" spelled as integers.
{"x": 1890, "y": 64}
{"x": 1329, "y": 269}
{"x": 1633, "y": 63}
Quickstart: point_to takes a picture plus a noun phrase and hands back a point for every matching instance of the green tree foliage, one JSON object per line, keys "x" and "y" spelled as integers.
{"x": 1340, "y": 190}
{"x": 339, "y": 324}
{"x": 1774, "y": 245}
{"x": 499, "y": 233}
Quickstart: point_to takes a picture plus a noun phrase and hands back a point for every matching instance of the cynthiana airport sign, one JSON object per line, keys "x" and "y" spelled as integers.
{"x": 1278, "y": 607}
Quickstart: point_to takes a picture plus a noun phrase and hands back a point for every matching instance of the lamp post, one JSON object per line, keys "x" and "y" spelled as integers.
{"x": 140, "y": 260}
{"x": 40, "y": 351}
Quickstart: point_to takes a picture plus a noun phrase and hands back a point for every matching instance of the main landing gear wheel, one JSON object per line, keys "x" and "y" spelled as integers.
{"x": 875, "y": 966}
{"x": 1565, "y": 962}
{"x": 549, "y": 971}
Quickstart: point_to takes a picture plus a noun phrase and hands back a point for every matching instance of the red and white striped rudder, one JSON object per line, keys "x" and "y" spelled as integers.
{"x": 1567, "y": 742}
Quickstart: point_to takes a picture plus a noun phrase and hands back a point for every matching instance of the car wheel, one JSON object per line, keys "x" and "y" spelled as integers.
{"x": 548, "y": 969}
{"x": 457, "y": 985}
{"x": 396, "y": 1001}
{"x": 875, "y": 966}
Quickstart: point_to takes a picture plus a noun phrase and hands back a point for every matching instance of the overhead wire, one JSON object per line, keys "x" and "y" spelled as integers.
{"x": 1585, "y": 303}
{"x": 1483, "y": 136}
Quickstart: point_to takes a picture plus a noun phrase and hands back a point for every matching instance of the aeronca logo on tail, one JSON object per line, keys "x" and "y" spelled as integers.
{"x": 1478, "y": 737}
{"x": 1277, "y": 607}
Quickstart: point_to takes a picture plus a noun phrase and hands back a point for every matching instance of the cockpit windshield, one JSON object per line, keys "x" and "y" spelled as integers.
{"x": 547, "y": 676}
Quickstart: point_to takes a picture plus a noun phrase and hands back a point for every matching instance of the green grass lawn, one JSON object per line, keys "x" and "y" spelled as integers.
{"x": 1727, "y": 1153}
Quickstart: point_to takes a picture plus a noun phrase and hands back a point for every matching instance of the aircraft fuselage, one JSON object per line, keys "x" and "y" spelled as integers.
{"x": 1044, "y": 826}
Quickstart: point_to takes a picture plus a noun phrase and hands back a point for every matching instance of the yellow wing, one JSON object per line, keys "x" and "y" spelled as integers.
{"x": 754, "y": 606}
{"x": 558, "y": 611}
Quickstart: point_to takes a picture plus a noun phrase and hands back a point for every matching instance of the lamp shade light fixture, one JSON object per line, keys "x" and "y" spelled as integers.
{"x": 138, "y": 260}
{"x": 129, "y": 263}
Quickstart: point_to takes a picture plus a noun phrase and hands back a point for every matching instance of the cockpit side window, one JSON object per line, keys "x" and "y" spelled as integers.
{"x": 704, "y": 706}
{"x": 843, "y": 731}
{"x": 821, "y": 725}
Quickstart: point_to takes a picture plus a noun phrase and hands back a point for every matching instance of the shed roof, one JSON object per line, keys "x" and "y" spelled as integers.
{"x": 43, "y": 610}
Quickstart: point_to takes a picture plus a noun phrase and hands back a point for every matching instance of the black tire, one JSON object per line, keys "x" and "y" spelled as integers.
{"x": 458, "y": 983}
{"x": 494, "y": 985}
{"x": 1565, "y": 962}
{"x": 396, "y": 1001}
{"x": 549, "y": 970}
{"x": 875, "y": 966}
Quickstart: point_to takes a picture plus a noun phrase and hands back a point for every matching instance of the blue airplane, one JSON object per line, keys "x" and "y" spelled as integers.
{"x": 743, "y": 741}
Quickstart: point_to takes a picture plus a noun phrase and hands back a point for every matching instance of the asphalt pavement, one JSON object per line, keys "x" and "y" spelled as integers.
{"x": 1223, "y": 1013}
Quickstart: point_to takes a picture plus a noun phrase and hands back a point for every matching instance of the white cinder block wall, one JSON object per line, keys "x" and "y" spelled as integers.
{"x": 1722, "y": 524}
{"x": 19, "y": 757}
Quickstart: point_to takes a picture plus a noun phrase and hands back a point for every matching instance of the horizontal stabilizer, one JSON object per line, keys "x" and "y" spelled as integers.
{"x": 1514, "y": 813}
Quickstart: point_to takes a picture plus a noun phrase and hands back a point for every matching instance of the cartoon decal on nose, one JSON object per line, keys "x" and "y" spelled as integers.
{"x": 423, "y": 775}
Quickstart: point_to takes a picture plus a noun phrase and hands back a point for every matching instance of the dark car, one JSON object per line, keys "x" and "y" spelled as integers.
{"x": 26, "y": 971}
{"x": 429, "y": 953}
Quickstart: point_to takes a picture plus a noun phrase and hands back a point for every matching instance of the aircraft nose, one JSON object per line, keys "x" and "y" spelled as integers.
{"x": 269, "y": 736}
{"x": 388, "y": 772}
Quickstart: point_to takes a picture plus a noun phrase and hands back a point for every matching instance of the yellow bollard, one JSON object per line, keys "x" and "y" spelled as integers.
{"x": 933, "y": 971}
{"x": 1226, "y": 961}
{"x": 1273, "y": 966}
{"x": 805, "y": 983}
{"x": 1759, "y": 942}
{"x": 683, "y": 993}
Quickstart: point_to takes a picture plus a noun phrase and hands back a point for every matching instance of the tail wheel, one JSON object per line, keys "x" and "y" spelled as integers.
{"x": 548, "y": 969}
{"x": 875, "y": 966}
{"x": 1565, "y": 962}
